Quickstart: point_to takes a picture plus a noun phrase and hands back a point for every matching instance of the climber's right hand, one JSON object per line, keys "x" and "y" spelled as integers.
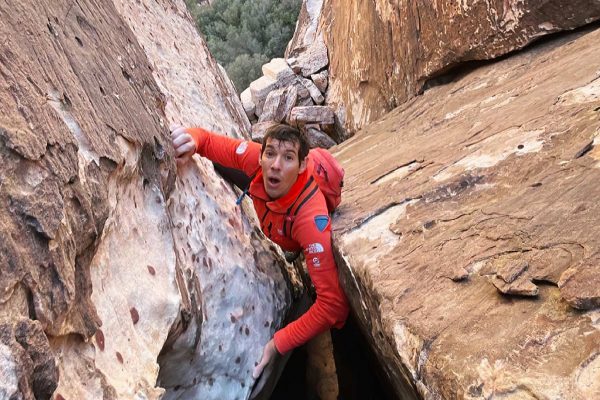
{"x": 183, "y": 144}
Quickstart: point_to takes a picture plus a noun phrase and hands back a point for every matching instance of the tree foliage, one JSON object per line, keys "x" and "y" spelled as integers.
{"x": 242, "y": 34}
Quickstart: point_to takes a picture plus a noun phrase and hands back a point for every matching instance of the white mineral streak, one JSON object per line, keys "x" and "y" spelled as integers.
{"x": 377, "y": 228}
{"x": 494, "y": 149}
{"x": 313, "y": 7}
{"x": 584, "y": 94}
{"x": 410, "y": 348}
{"x": 133, "y": 273}
{"x": 306, "y": 28}
{"x": 399, "y": 173}
{"x": 513, "y": 12}
{"x": 373, "y": 237}
{"x": 587, "y": 382}
{"x": 86, "y": 154}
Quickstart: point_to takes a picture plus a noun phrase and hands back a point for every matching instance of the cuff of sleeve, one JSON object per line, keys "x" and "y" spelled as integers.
{"x": 198, "y": 134}
{"x": 282, "y": 342}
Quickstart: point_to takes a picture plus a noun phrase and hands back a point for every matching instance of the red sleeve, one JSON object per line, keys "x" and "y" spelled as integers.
{"x": 229, "y": 152}
{"x": 331, "y": 306}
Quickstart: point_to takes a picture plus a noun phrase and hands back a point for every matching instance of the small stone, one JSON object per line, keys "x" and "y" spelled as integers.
{"x": 459, "y": 274}
{"x": 321, "y": 80}
{"x": 278, "y": 70}
{"x": 259, "y": 129}
{"x": 520, "y": 287}
{"x": 314, "y": 91}
{"x": 278, "y": 104}
{"x": 259, "y": 90}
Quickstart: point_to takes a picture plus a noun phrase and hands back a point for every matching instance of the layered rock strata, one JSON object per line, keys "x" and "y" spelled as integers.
{"x": 382, "y": 53}
{"x": 468, "y": 233}
{"x": 109, "y": 256}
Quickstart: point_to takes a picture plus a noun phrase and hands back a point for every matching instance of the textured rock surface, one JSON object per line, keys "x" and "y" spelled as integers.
{"x": 320, "y": 80}
{"x": 320, "y": 367}
{"x": 492, "y": 176}
{"x": 316, "y": 138}
{"x": 27, "y": 365}
{"x": 312, "y": 115}
{"x": 179, "y": 57}
{"x": 306, "y": 30}
{"x": 382, "y": 52}
{"x": 278, "y": 104}
{"x": 314, "y": 91}
{"x": 312, "y": 60}
{"x": 115, "y": 257}
{"x": 260, "y": 89}
{"x": 278, "y": 70}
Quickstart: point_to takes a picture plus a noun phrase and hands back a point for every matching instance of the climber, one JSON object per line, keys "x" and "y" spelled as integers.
{"x": 281, "y": 183}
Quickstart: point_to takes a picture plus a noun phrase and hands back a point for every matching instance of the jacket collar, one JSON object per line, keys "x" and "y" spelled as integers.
{"x": 281, "y": 205}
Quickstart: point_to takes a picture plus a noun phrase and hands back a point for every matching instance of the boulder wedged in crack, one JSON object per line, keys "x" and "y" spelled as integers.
{"x": 504, "y": 194}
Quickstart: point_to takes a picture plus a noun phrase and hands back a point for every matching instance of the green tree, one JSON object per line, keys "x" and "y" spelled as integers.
{"x": 242, "y": 34}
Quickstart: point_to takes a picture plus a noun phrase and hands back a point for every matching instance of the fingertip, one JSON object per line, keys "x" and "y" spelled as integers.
{"x": 178, "y": 131}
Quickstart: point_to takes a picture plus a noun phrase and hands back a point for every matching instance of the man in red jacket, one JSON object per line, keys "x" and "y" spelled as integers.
{"x": 282, "y": 187}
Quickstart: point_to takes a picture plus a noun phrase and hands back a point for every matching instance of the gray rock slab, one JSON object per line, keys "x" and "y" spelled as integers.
{"x": 321, "y": 115}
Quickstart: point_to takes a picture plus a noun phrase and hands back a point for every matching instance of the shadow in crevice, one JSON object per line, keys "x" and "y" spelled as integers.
{"x": 360, "y": 377}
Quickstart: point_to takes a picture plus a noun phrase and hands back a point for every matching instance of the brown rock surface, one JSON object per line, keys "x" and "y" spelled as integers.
{"x": 320, "y": 367}
{"x": 109, "y": 256}
{"x": 473, "y": 180}
{"x": 580, "y": 284}
{"x": 382, "y": 52}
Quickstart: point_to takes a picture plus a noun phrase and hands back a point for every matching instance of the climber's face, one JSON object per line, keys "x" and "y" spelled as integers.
{"x": 281, "y": 166}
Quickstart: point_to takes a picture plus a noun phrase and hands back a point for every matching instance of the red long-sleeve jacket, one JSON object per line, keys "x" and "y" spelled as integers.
{"x": 309, "y": 230}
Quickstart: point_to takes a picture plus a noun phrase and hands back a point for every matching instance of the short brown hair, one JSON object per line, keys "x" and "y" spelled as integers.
{"x": 286, "y": 133}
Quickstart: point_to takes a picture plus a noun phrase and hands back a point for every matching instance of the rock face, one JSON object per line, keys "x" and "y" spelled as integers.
{"x": 491, "y": 179}
{"x": 28, "y": 366}
{"x": 108, "y": 256}
{"x": 306, "y": 28}
{"x": 382, "y": 52}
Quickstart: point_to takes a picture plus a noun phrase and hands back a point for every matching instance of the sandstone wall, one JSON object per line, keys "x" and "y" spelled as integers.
{"x": 108, "y": 257}
{"x": 468, "y": 232}
{"x": 383, "y": 52}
